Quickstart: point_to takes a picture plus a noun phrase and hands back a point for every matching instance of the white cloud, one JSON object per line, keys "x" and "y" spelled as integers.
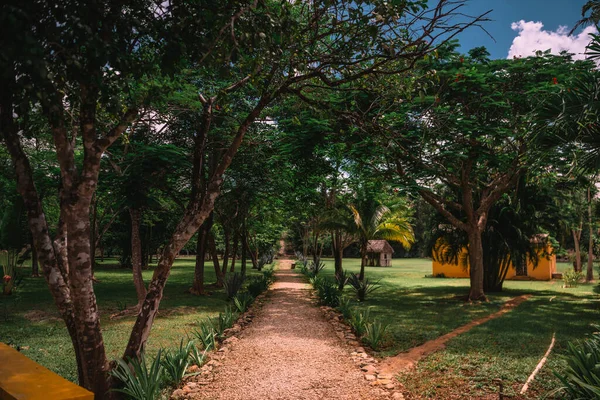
{"x": 532, "y": 37}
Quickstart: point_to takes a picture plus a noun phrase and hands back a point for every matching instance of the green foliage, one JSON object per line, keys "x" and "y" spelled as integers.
{"x": 345, "y": 307}
{"x": 359, "y": 321}
{"x": 315, "y": 268}
{"x": 139, "y": 381}
{"x": 197, "y": 357}
{"x": 206, "y": 334}
{"x": 257, "y": 285}
{"x": 233, "y": 284}
{"x": 342, "y": 279}
{"x": 176, "y": 362}
{"x": 242, "y": 301}
{"x": 225, "y": 320}
{"x": 581, "y": 380}
{"x": 327, "y": 291}
{"x": 572, "y": 278}
{"x": 375, "y": 334}
{"x": 362, "y": 287}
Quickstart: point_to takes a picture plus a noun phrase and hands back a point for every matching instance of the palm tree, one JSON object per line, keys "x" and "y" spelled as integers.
{"x": 339, "y": 222}
{"x": 593, "y": 8}
{"x": 376, "y": 221}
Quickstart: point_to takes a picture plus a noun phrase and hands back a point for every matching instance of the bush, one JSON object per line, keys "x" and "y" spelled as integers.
{"x": 176, "y": 362}
{"x": 242, "y": 301}
{"x": 269, "y": 274}
{"x": 374, "y": 334}
{"x": 233, "y": 284}
{"x": 257, "y": 285}
{"x": 571, "y": 278}
{"x": 342, "y": 279}
{"x": 582, "y": 377}
{"x": 345, "y": 307}
{"x": 362, "y": 288}
{"x": 139, "y": 382}
{"x": 327, "y": 291}
{"x": 315, "y": 268}
{"x": 359, "y": 320}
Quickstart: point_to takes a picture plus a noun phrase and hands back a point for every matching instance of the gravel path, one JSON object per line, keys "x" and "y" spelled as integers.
{"x": 289, "y": 351}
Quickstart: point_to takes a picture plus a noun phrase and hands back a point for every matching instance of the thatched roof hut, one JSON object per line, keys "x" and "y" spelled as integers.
{"x": 379, "y": 253}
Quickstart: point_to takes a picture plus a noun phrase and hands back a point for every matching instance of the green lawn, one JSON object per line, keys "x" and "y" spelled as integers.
{"x": 30, "y": 320}
{"x": 508, "y": 348}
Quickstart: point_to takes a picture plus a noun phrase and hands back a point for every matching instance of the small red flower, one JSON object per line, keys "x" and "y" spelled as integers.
{"x": 6, "y": 278}
{"x": 555, "y": 81}
{"x": 462, "y": 59}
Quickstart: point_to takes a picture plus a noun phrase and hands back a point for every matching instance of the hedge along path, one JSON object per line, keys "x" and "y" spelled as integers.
{"x": 289, "y": 351}
{"x": 404, "y": 362}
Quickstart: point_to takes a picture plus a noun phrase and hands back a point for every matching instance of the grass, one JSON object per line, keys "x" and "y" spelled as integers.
{"x": 30, "y": 320}
{"x": 508, "y": 348}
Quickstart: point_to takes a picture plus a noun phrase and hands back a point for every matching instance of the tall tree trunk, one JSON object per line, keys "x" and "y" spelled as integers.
{"x": 35, "y": 266}
{"x": 576, "y": 237}
{"x": 363, "y": 257}
{"x": 476, "y": 264}
{"x": 226, "y": 252}
{"x": 136, "y": 254}
{"x": 93, "y": 232}
{"x": 234, "y": 253}
{"x": 590, "y": 262}
{"x": 253, "y": 256}
{"x": 201, "y": 247}
{"x": 215, "y": 259}
{"x": 338, "y": 252}
{"x": 244, "y": 247}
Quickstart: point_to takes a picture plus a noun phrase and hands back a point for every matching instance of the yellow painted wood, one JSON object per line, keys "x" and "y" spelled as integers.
{"x": 24, "y": 379}
{"x": 543, "y": 271}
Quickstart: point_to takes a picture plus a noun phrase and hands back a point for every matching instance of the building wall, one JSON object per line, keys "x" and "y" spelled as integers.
{"x": 544, "y": 270}
{"x": 385, "y": 259}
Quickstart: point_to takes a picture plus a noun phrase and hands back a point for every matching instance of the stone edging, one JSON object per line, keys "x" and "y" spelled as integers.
{"x": 206, "y": 373}
{"x": 358, "y": 354}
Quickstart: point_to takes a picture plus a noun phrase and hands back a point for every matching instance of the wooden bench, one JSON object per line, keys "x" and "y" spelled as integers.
{"x": 23, "y": 379}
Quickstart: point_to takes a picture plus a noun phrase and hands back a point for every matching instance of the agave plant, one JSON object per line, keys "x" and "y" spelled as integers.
{"x": 206, "y": 334}
{"x": 176, "y": 362}
{"x": 362, "y": 287}
{"x": 242, "y": 301}
{"x": 582, "y": 376}
{"x": 341, "y": 279}
{"x": 233, "y": 284}
{"x": 359, "y": 320}
{"x": 374, "y": 334}
{"x": 139, "y": 381}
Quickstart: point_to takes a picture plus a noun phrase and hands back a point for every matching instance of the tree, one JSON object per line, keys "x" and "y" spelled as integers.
{"x": 468, "y": 129}
{"x": 376, "y": 221}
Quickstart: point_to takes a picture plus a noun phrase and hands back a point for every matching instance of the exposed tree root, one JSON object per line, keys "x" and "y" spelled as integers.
{"x": 539, "y": 366}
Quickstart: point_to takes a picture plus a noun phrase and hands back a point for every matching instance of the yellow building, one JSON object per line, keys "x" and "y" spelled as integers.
{"x": 543, "y": 271}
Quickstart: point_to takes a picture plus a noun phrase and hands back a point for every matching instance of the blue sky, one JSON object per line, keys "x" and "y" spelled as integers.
{"x": 552, "y": 13}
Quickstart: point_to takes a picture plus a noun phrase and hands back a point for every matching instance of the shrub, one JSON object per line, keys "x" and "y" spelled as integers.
{"x": 359, "y": 320}
{"x": 327, "y": 291}
{"x": 582, "y": 376}
{"x": 571, "y": 278}
{"x": 374, "y": 334}
{"x": 257, "y": 285}
{"x": 233, "y": 284}
{"x": 206, "y": 334}
{"x": 315, "y": 268}
{"x": 242, "y": 301}
{"x": 139, "y": 382}
{"x": 269, "y": 274}
{"x": 362, "y": 288}
{"x": 345, "y": 307}
{"x": 342, "y": 279}
{"x": 176, "y": 362}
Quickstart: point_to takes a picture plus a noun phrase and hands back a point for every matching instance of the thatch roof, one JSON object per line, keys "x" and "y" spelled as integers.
{"x": 379, "y": 246}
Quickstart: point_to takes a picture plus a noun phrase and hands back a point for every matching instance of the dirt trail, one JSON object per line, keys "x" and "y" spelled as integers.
{"x": 406, "y": 361}
{"x": 289, "y": 351}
